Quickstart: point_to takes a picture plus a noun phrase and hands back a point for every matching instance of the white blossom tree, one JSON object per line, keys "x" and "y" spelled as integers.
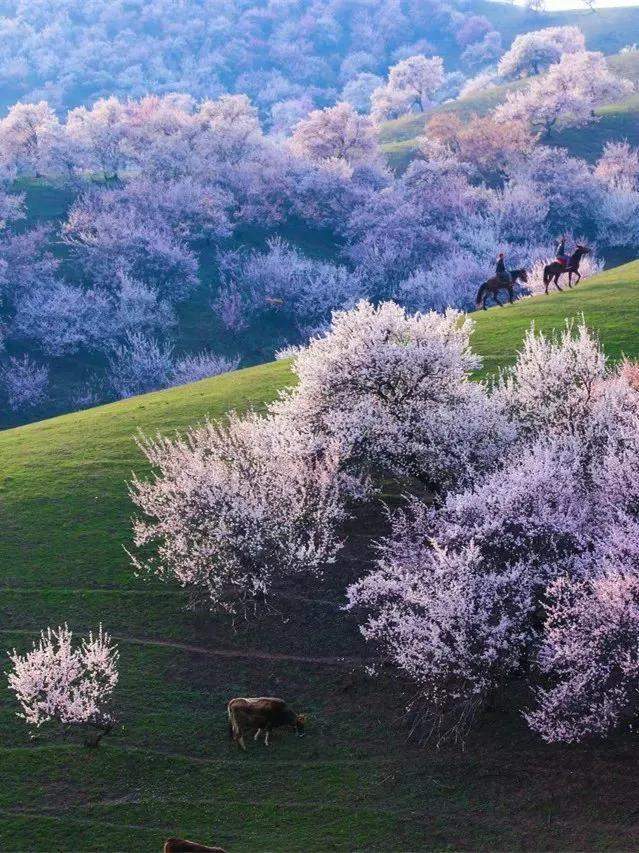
{"x": 233, "y": 508}
{"x": 392, "y": 389}
{"x": 532, "y": 52}
{"x": 618, "y": 164}
{"x": 418, "y": 77}
{"x": 567, "y": 95}
{"x": 27, "y": 135}
{"x": 66, "y": 683}
{"x": 338, "y": 132}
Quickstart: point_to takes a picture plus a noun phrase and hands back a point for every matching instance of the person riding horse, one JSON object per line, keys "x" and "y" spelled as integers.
{"x": 560, "y": 254}
{"x": 501, "y": 273}
{"x": 502, "y": 280}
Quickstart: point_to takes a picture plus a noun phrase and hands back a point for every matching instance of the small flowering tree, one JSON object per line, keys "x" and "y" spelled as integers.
{"x": 589, "y": 655}
{"x": 619, "y": 163}
{"x": 550, "y": 389}
{"x": 26, "y": 383}
{"x": 67, "y": 684}
{"x": 567, "y": 95}
{"x": 233, "y": 508}
{"x": 454, "y": 627}
{"x": 393, "y": 390}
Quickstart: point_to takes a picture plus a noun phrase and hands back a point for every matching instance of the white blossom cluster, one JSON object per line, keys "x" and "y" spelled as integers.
{"x": 71, "y": 684}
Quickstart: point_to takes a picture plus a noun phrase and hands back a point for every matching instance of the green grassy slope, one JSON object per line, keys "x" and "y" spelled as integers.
{"x": 353, "y": 782}
{"x": 399, "y": 138}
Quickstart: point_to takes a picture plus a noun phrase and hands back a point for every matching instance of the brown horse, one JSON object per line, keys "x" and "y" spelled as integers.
{"x": 495, "y": 284}
{"x": 555, "y": 269}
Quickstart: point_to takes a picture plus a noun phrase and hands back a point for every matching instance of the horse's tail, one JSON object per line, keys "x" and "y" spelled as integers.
{"x": 480, "y": 295}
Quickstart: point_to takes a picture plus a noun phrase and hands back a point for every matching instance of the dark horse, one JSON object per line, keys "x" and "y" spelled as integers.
{"x": 495, "y": 284}
{"x": 555, "y": 269}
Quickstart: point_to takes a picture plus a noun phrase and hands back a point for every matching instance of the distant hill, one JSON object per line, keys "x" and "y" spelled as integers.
{"x": 616, "y": 121}
{"x": 353, "y": 782}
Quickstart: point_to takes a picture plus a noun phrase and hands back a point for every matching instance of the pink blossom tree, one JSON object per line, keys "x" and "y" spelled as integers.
{"x": 418, "y": 77}
{"x": 618, "y": 164}
{"x": 567, "y": 95}
{"x": 532, "y": 52}
{"x": 233, "y": 508}
{"x": 589, "y": 655}
{"x": 338, "y": 132}
{"x": 393, "y": 390}
{"x": 71, "y": 685}
{"x": 412, "y": 84}
{"x": 452, "y": 626}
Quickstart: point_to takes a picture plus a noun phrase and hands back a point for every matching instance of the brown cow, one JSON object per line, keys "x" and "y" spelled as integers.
{"x": 261, "y": 714}
{"x": 181, "y": 845}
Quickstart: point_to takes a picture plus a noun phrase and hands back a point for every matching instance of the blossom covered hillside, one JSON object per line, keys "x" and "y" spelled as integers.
{"x": 63, "y": 561}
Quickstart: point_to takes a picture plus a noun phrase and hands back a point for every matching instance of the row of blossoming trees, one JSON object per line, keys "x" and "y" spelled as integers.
{"x": 193, "y": 178}
{"x": 525, "y": 566}
{"x": 522, "y": 565}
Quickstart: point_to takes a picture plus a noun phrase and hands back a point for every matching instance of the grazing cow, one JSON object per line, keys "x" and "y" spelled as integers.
{"x": 181, "y": 845}
{"x": 262, "y": 714}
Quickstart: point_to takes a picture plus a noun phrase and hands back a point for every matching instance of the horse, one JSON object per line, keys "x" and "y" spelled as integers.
{"x": 495, "y": 284}
{"x": 555, "y": 269}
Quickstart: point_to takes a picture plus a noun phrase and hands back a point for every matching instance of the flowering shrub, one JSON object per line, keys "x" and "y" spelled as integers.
{"x": 393, "y": 390}
{"x": 70, "y": 685}
{"x": 456, "y": 597}
{"x": 233, "y": 508}
{"x": 26, "y": 383}
{"x": 139, "y": 365}
{"x": 454, "y": 627}
{"x": 202, "y": 365}
{"x": 590, "y": 655}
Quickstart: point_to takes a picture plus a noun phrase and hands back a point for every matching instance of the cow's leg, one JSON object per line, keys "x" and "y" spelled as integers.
{"x": 266, "y": 737}
{"x": 257, "y": 734}
{"x": 240, "y": 740}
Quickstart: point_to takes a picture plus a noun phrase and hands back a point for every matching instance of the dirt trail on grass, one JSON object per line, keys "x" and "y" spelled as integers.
{"x": 252, "y": 654}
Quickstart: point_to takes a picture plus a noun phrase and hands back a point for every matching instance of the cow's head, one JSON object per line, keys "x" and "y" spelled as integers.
{"x": 300, "y": 721}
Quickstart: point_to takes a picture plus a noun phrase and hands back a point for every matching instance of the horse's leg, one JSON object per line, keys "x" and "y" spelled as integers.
{"x": 578, "y": 274}
{"x": 557, "y": 281}
{"x": 570, "y": 278}
{"x": 498, "y": 300}
{"x": 510, "y": 295}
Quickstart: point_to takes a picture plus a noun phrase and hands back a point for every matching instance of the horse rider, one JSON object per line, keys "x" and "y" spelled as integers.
{"x": 501, "y": 273}
{"x": 561, "y": 255}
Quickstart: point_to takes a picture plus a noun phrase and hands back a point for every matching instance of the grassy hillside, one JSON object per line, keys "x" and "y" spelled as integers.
{"x": 353, "y": 782}
{"x": 615, "y": 121}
